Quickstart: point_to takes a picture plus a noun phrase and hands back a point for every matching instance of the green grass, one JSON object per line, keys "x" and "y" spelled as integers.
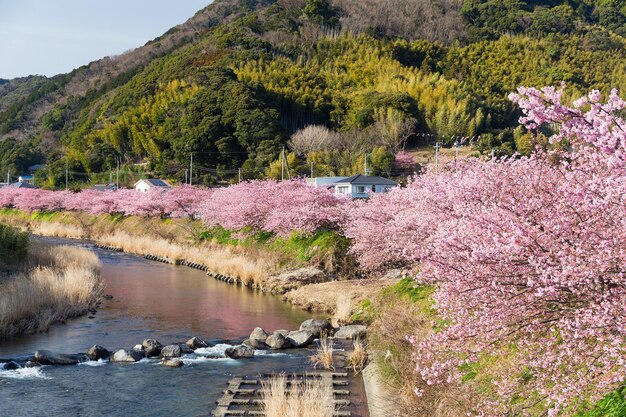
{"x": 13, "y": 244}
{"x": 298, "y": 247}
{"x": 613, "y": 405}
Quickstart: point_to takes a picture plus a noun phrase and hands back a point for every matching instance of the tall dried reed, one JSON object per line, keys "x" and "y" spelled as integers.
{"x": 343, "y": 310}
{"x": 324, "y": 357}
{"x": 59, "y": 282}
{"x": 251, "y": 270}
{"x": 58, "y": 230}
{"x": 307, "y": 398}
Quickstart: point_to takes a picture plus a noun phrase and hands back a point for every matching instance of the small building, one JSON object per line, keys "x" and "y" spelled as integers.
{"x": 148, "y": 184}
{"x": 327, "y": 182}
{"x": 28, "y": 179}
{"x": 104, "y": 187}
{"x": 361, "y": 186}
{"x": 21, "y": 184}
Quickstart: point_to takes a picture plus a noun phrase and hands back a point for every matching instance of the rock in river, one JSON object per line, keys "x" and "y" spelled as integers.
{"x": 317, "y": 327}
{"x": 11, "y": 366}
{"x": 46, "y": 357}
{"x": 97, "y": 352}
{"x": 256, "y": 344}
{"x": 300, "y": 338}
{"x": 151, "y": 347}
{"x": 196, "y": 343}
{"x": 258, "y": 334}
{"x": 240, "y": 352}
{"x": 173, "y": 363}
{"x": 351, "y": 332}
{"x": 171, "y": 351}
{"x": 277, "y": 341}
{"x": 124, "y": 355}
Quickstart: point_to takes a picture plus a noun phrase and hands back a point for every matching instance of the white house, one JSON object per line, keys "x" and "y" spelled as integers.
{"x": 361, "y": 186}
{"x": 28, "y": 179}
{"x": 145, "y": 185}
{"x": 328, "y": 182}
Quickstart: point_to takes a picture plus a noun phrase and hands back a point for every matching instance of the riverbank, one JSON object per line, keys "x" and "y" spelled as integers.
{"x": 271, "y": 264}
{"x": 52, "y": 284}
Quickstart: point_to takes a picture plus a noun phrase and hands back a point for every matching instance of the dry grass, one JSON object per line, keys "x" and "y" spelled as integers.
{"x": 398, "y": 318}
{"x": 343, "y": 311}
{"x": 323, "y": 297}
{"x": 358, "y": 357}
{"x": 252, "y": 271}
{"x": 308, "y": 398}
{"x": 58, "y": 283}
{"x": 323, "y": 357}
{"x": 67, "y": 231}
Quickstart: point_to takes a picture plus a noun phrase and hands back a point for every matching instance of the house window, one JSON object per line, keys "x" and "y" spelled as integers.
{"x": 360, "y": 189}
{"x": 343, "y": 189}
{"x": 387, "y": 189}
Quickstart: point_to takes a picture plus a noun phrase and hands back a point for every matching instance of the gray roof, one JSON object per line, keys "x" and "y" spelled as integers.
{"x": 155, "y": 182}
{"x": 104, "y": 187}
{"x": 21, "y": 185}
{"x": 363, "y": 180}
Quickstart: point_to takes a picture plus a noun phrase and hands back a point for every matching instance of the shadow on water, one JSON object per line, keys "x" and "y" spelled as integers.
{"x": 151, "y": 300}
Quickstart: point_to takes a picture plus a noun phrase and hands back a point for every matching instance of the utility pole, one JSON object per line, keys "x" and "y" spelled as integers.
{"x": 437, "y": 146}
{"x": 191, "y": 171}
{"x": 8, "y": 176}
{"x": 239, "y": 174}
{"x": 456, "y": 145}
{"x": 311, "y": 169}
{"x": 186, "y": 175}
{"x": 66, "y": 173}
{"x": 365, "y": 167}
{"x": 282, "y": 165}
{"x": 117, "y": 175}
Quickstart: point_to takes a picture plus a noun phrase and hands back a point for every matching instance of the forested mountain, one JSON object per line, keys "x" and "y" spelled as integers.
{"x": 233, "y": 83}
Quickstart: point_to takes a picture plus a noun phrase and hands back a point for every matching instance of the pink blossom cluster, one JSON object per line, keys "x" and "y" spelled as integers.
{"x": 280, "y": 207}
{"x": 526, "y": 254}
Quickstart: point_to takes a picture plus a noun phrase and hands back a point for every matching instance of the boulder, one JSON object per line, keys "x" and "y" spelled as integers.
{"x": 300, "y": 338}
{"x": 31, "y": 364}
{"x": 173, "y": 363}
{"x": 138, "y": 347}
{"x": 283, "y": 332}
{"x": 256, "y": 344}
{"x": 196, "y": 343}
{"x": 97, "y": 352}
{"x": 240, "y": 352}
{"x": 351, "y": 332}
{"x": 317, "y": 327}
{"x": 124, "y": 355}
{"x": 171, "y": 351}
{"x": 11, "y": 366}
{"x": 46, "y": 357}
{"x": 258, "y": 334}
{"x": 151, "y": 347}
{"x": 277, "y": 341}
{"x": 184, "y": 348}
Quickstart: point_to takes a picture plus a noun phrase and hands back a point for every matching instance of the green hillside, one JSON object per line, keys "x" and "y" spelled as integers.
{"x": 235, "y": 82}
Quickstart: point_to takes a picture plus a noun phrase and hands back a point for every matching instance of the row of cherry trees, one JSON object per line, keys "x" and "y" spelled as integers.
{"x": 279, "y": 207}
{"x": 527, "y": 255}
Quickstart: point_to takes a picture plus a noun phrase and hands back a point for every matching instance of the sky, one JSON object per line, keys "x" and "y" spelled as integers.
{"x": 49, "y": 37}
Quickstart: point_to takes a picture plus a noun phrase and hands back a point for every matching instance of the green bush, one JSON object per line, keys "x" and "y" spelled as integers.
{"x": 13, "y": 244}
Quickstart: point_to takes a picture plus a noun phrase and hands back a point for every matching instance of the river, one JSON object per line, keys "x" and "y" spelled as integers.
{"x": 150, "y": 300}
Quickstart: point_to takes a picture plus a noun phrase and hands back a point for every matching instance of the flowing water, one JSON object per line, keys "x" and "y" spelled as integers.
{"x": 150, "y": 300}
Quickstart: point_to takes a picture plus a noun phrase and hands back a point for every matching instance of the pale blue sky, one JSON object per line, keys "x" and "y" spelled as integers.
{"x": 49, "y": 37}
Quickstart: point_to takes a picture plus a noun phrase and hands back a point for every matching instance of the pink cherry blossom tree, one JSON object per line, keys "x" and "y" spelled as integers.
{"x": 526, "y": 254}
